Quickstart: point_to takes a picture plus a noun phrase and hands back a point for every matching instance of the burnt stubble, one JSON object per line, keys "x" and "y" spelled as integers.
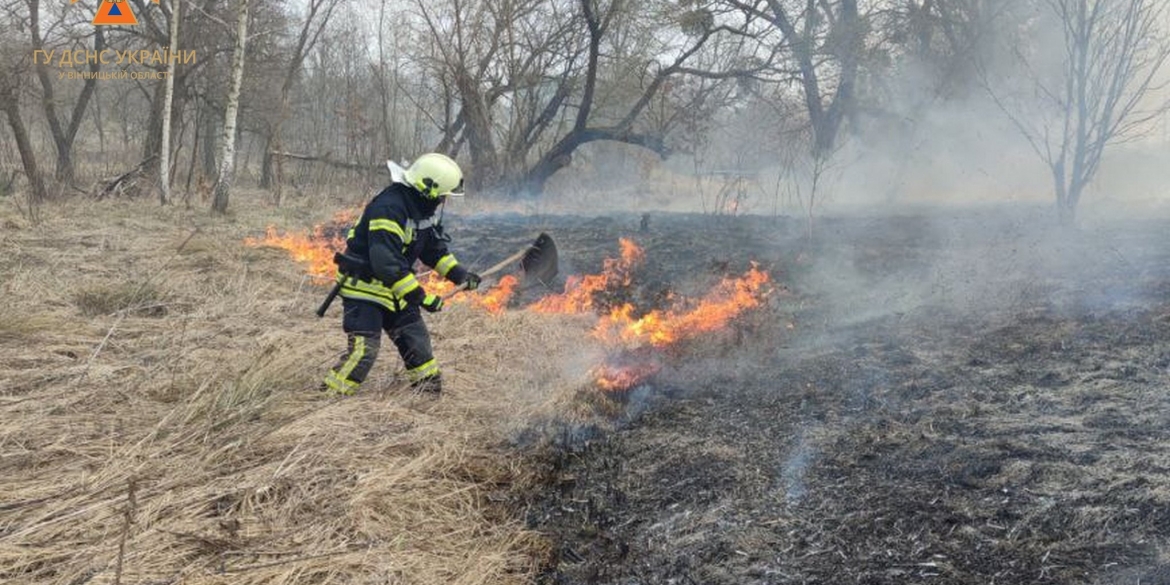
{"x": 977, "y": 398}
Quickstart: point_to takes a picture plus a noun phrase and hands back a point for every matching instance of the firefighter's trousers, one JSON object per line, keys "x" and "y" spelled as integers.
{"x": 363, "y": 323}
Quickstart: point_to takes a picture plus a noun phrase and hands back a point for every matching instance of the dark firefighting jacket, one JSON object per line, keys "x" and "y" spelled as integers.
{"x": 396, "y": 229}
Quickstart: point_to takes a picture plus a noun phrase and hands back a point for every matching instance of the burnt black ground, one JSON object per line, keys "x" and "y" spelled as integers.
{"x": 973, "y": 398}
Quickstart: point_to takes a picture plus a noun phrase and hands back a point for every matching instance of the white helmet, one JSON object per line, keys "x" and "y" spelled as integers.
{"x": 435, "y": 175}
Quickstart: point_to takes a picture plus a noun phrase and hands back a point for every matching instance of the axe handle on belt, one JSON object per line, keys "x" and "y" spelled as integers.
{"x": 347, "y": 265}
{"x": 329, "y": 299}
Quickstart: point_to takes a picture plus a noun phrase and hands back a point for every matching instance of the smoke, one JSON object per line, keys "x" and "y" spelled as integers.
{"x": 998, "y": 261}
{"x": 965, "y": 156}
{"x": 795, "y": 466}
{"x": 1132, "y": 183}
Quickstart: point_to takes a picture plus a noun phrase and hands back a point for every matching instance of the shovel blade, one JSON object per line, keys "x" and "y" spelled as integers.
{"x": 540, "y": 261}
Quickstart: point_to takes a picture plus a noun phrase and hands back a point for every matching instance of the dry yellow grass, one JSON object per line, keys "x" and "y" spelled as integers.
{"x": 159, "y": 423}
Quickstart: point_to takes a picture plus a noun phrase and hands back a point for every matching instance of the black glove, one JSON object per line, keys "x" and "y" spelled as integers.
{"x": 471, "y": 281}
{"x": 432, "y": 303}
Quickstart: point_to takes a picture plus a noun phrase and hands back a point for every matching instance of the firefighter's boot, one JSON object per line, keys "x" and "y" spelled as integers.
{"x": 430, "y": 386}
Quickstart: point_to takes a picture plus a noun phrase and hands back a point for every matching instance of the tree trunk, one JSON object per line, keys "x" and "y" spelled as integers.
{"x": 273, "y": 169}
{"x": 535, "y": 179}
{"x": 151, "y": 143}
{"x": 1067, "y": 214}
{"x": 209, "y": 126}
{"x": 826, "y": 118}
{"x": 1065, "y": 210}
{"x": 478, "y": 130}
{"x": 24, "y": 145}
{"x": 197, "y": 127}
{"x": 561, "y": 153}
{"x": 227, "y": 153}
{"x": 1068, "y": 196}
{"x": 164, "y": 165}
{"x": 63, "y": 136}
{"x": 383, "y": 90}
{"x": 266, "y": 164}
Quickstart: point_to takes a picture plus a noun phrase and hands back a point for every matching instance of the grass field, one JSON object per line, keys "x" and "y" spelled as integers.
{"x": 160, "y": 422}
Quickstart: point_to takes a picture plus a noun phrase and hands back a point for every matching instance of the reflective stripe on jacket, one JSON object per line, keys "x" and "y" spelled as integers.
{"x": 394, "y": 231}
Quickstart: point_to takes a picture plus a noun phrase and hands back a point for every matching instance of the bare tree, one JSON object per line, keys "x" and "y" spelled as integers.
{"x": 14, "y": 65}
{"x": 468, "y": 37}
{"x": 310, "y": 32}
{"x": 824, "y": 45}
{"x": 396, "y": 121}
{"x": 1098, "y": 94}
{"x": 202, "y": 32}
{"x": 534, "y": 81}
{"x": 164, "y": 166}
{"x": 64, "y": 132}
{"x": 625, "y": 121}
{"x": 926, "y": 55}
{"x": 825, "y": 42}
{"x": 945, "y": 39}
{"x": 227, "y": 153}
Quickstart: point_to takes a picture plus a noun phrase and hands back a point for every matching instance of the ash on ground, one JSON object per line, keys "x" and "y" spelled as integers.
{"x": 968, "y": 400}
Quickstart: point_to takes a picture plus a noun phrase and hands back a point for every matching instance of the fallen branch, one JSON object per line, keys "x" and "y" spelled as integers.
{"x": 329, "y": 161}
{"x": 121, "y": 183}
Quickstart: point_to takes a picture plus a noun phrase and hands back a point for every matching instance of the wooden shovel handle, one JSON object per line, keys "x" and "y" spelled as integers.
{"x": 490, "y": 271}
{"x": 505, "y": 262}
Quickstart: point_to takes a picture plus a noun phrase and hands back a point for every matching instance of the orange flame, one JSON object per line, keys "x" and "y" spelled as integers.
{"x": 315, "y": 249}
{"x": 613, "y": 378}
{"x": 713, "y": 312}
{"x": 655, "y": 329}
{"x": 435, "y": 284}
{"x": 495, "y": 300}
{"x": 579, "y": 290}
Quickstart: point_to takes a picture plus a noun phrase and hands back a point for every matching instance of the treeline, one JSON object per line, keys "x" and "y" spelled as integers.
{"x": 328, "y": 89}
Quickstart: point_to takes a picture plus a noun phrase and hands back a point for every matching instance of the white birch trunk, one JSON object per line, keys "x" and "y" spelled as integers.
{"x": 227, "y": 153}
{"x": 164, "y": 159}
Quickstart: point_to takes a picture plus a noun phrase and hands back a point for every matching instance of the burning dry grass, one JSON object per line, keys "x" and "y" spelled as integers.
{"x": 622, "y": 327}
{"x": 160, "y": 422}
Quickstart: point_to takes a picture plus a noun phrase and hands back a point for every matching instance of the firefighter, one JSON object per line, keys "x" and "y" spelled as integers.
{"x": 378, "y": 287}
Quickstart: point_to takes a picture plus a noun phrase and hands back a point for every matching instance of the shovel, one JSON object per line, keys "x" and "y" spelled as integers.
{"x": 538, "y": 260}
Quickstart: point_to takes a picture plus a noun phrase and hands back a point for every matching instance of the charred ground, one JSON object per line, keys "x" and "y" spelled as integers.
{"x": 973, "y": 399}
